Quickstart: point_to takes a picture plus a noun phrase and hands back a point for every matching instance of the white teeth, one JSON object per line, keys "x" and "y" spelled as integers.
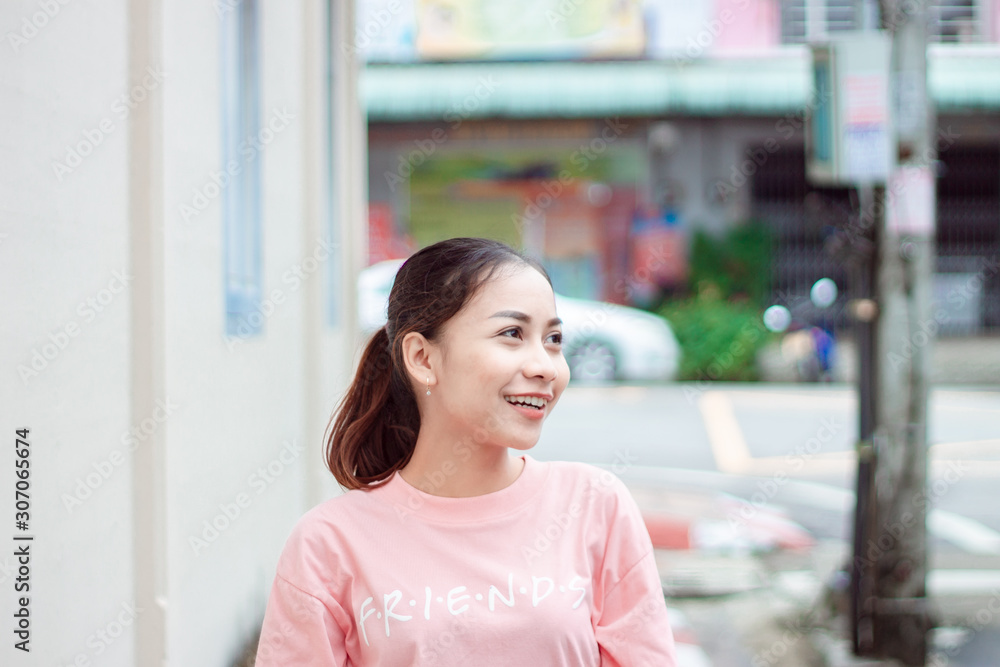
{"x": 527, "y": 400}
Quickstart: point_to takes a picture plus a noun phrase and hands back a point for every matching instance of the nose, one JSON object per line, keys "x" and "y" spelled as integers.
{"x": 540, "y": 364}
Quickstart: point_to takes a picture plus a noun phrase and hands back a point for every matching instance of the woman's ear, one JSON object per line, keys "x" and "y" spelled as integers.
{"x": 419, "y": 358}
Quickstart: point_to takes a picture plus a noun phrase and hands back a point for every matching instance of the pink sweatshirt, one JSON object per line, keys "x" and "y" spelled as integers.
{"x": 555, "y": 569}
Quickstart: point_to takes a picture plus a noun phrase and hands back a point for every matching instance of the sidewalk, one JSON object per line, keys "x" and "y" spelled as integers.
{"x": 750, "y": 604}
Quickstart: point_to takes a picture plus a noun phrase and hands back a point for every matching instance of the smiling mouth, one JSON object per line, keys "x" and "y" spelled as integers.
{"x": 534, "y": 402}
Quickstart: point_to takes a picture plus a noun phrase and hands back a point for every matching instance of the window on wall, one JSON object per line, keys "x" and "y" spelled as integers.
{"x": 947, "y": 20}
{"x": 238, "y": 178}
{"x": 335, "y": 302}
{"x": 807, "y": 20}
{"x": 958, "y": 20}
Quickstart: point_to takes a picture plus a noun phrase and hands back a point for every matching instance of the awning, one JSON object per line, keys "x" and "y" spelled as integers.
{"x": 961, "y": 78}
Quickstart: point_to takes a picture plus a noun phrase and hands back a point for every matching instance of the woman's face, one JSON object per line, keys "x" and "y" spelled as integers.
{"x": 500, "y": 364}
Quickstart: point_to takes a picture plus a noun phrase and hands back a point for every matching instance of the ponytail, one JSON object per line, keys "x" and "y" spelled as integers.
{"x": 376, "y": 423}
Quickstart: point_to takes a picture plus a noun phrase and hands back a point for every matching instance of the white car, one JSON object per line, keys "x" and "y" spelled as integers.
{"x": 602, "y": 342}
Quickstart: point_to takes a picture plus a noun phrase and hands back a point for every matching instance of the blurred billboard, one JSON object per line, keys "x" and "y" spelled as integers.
{"x": 528, "y": 29}
{"x": 399, "y": 31}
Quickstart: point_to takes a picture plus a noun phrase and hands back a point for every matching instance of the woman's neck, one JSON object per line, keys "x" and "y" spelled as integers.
{"x": 462, "y": 470}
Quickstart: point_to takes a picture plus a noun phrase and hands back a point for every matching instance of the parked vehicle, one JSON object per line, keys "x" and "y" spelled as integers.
{"x": 602, "y": 342}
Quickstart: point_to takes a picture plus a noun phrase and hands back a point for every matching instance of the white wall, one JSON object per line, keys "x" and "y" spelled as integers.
{"x": 235, "y": 405}
{"x": 63, "y": 242}
{"x": 240, "y": 399}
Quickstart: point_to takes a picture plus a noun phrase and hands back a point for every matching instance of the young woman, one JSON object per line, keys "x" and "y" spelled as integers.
{"x": 446, "y": 549}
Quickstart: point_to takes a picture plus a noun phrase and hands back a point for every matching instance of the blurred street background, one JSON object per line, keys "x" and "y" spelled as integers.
{"x": 773, "y": 228}
{"x": 750, "y": 486}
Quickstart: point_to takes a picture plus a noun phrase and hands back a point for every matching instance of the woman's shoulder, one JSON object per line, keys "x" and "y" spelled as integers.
{"x": 586, "y": 478}
{"x": 336, "y": 506}
{"x": 336, "y": 514}
{"x": 585, "y": 472}
{"x": 324, "y": 537}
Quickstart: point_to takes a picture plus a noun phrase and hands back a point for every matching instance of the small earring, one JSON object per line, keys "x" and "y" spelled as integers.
{"x": 428, "y": 386}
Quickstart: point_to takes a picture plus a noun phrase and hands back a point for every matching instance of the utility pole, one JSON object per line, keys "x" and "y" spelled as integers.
{"x": 872, "y": 128}
{"x": 904, "y": 256}
{"x": 864, "y": 277}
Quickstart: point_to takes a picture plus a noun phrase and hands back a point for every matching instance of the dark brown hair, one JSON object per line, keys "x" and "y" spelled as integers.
{"x": 375, "y": 425}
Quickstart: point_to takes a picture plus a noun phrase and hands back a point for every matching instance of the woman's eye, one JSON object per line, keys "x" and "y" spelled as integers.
{"x": 515, "y": 332}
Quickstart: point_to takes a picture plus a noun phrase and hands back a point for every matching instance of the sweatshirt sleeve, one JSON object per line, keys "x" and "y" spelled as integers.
{"x": 631, "y": 627}
{"x": 299, "y": 630}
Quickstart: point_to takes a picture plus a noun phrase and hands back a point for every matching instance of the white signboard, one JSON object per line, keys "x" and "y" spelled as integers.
{"x": 850, "y": 138}
{"x": 910, "y": 209}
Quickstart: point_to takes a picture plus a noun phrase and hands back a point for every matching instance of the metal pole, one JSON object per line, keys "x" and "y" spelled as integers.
{"x": 904, "y": 237}
{"x": 864, "y": 278}
{"x": 863, "y": 272}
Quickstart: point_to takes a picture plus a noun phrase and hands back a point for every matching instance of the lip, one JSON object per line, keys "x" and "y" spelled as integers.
{"x": 547, "y": 397}
{"x": 530, "y": 413}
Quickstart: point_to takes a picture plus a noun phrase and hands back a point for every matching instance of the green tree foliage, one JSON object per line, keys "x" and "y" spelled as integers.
{"x": 719, "y": 338}
{"x": 720, "y": 327}
{"x": 738, "y": 264}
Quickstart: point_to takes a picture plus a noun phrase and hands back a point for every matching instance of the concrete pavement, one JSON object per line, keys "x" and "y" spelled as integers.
{"x": 777, "y": 603}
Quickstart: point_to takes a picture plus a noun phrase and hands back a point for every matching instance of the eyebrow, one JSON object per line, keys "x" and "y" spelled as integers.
{"x": 517, "y": 315}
